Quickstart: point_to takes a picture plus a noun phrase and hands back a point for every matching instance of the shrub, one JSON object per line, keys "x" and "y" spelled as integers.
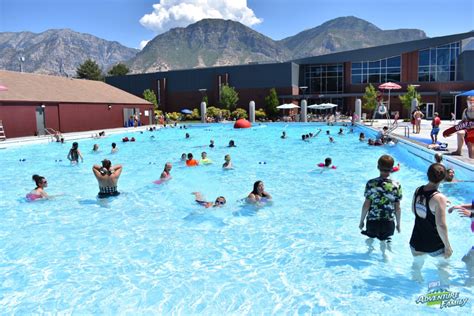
{"x": 174, "y": 116}
{"x": 239, "y": 113}
{"x": 260, "y": 114}
{"x": 225, "y": 114}
{"x": 214, "y": 112}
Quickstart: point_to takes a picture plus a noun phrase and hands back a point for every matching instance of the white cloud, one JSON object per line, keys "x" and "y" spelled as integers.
{"x": 143, "y": 44}
{"x": 180, "y": 13}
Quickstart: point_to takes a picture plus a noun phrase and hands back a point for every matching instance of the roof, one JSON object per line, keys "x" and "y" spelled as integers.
{"x": 43, "y": 88}
{"x": 383, "y": 51}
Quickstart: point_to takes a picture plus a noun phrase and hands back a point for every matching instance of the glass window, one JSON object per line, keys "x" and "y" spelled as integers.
{"x": 356, "y": 71}
{"x": 356, "y": 65}
{"x": 393, "y": 70}
{"x": 331, "y": 84}
{"x": 442, "y": 57}
{"x": 393, "y": 77}
{"x": 374, "y": 78}
{"x": 424, "y": 57}
{"x": 383, "y": 63}
{"x": 356, "y": 79}
{"x": 374, "y": 70}
{"x": 443, "y": 76}
{"x": 393, "y": 62}
{"x": 374, "y": 64}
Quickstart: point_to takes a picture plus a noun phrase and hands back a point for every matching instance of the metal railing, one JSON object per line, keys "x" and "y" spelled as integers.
{"x": 406, "y": 131}
{"x": 51, "y": 132}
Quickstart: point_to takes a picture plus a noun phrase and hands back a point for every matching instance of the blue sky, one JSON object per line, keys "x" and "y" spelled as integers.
{"x": 132, "y": 21}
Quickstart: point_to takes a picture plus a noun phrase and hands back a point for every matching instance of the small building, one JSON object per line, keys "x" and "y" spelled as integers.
{"x": 33, "y": 103}
{"x": 440, "y": 68}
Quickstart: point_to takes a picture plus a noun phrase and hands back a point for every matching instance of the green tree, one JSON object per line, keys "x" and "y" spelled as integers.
{"x": 89, "y": 70}
{"x": 150, "y": 96}
{"x": 271, "y": 103}
{"x": 119, "y": 70}
{"x": 205, "y": 99}
{"x": 370, "y": 98}
{"x": 229, "y": 97}
{"x": 410, "y": 95}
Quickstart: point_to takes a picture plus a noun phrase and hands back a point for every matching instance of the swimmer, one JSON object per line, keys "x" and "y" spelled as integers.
{"x": 450, "y": 177}
{"x": 211, "y": 145}
{"x": 74, "y": 154}
{"x": 165, "y": 175}
{"x": 258, "y": 193}
{"x": 220, "y": 201}
{"x": 204, "y": 159}
{"x": 438, "y": 158}
{"x": 191, "y": 162}
{"x": 331, "y": 140}
{"x": 183, "y": 157}
{"x": 362, "y": 137}
{"x": 231, "y": 143}
{"x": 227, "y": 164}
{"x": 187, "y": 135}
{"x": 107, "y": 176}
{"x": 283, "y": 135}
{"x": 38, "y": 192}
{"x": 341, "y": 132}
{"x": 95, "y": 148}
{"x": 327, "y": 164}
{"x": 327, "y": 132}
{"x": 114, "y": 148}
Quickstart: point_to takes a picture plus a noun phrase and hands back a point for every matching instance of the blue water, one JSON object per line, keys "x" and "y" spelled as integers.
{"x": 154, "y": 250}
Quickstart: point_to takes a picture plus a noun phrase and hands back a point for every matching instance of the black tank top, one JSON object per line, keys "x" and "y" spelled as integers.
{"x": 425, "y": 237}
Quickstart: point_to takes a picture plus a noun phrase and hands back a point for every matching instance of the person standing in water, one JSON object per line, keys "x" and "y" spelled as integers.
{"x": 107, "y": 176}
{"x": 74, "y": 154}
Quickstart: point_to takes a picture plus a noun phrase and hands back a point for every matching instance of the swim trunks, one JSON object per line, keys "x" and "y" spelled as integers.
{"x": 382, "y": 230}
{"x": 435, "y": 131}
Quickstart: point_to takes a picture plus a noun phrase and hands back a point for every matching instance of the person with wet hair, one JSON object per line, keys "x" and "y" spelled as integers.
{"x": 107, "y": 176}
{"x": 38, "y": 192}
{"x": 74, "y": 154}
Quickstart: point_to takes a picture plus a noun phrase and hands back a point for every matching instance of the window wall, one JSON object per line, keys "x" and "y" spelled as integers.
{"x": 438, "y": 63}
{"x": 378, "y": 71}
{"x": 324, "y": 79}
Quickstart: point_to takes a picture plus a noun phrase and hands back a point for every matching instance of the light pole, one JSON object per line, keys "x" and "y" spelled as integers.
{"x": 21, "y": 59}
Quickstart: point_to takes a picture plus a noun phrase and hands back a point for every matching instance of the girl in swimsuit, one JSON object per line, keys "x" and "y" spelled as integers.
{"x": 220, "y": 201}
{"x": 165, "y": 175}
{"x": 74, "y": 154}
{"x": 38, "y": 192}
{"x": 258, "y": 193}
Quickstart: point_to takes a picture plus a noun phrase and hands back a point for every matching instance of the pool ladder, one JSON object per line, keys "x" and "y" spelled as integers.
{"x": 2, "y": 132}
{"x": 406, "y": 131}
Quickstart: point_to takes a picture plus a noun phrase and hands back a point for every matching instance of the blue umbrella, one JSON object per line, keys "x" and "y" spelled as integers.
{"x": 467, "y": 93}
{"x": 186, "y": 111}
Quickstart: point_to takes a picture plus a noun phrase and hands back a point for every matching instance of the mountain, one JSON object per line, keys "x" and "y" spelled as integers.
{"x": 345, "y": 33}
{"x": 214, "y": 42}
{"x": 209, "y": 42}
{"x": 58, "y": 52}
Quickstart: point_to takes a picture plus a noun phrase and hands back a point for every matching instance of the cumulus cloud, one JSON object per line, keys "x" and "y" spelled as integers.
{"x": 143, "y": 44}
{"x": 180, "y": 13}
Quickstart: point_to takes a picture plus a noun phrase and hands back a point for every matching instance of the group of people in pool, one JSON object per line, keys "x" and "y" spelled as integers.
{"x": 381, "y": 214}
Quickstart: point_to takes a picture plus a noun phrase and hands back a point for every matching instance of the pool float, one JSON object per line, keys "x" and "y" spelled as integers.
{"x": 458, "y": 127}
{"x": 161, "y": 181}
{"x": 322, "y": 165}
{"x": 396, "y": 168}
{"x": 242, "y": 123}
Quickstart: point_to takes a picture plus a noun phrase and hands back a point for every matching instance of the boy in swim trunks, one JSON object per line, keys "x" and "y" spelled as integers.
{"x": 382, "y": 204}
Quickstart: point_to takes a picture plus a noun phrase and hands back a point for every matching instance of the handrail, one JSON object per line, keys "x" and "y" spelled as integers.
{"x": 51, "y": 132}
{"x": 406, "y": 131}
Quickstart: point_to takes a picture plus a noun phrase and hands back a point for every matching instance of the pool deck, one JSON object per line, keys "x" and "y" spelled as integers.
{"x": 425, "y": 134}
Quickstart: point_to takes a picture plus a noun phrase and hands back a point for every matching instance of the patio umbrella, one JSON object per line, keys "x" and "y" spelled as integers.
{"x": 3, "y": 88}
{"x": 327, "y": 105}
{"x": 389, "y": 86}
{"x": 287, "y": 106}
{"x": 467, "y": 93}
{"x": 186, "y": 111}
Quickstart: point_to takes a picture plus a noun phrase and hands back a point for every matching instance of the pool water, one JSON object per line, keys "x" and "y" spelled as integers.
{"x": 154, "y": 250}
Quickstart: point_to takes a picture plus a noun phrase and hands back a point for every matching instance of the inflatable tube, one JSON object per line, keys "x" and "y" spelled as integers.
{"x": 322, "y": 165}
{"x": 382, "y": 109}
{"x": 242, "y": 123}
{"x": 470, "y": 136}
{"x": 458, "y": 127}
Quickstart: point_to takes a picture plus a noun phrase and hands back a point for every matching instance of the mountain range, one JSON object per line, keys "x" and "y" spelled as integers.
{"x": 209, "y": 42}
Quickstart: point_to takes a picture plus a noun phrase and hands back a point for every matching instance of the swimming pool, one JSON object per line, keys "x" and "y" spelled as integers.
{"x": 154, "y": 250}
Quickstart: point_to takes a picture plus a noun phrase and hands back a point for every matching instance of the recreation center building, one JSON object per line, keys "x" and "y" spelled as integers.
{"x": 439, "y": 67}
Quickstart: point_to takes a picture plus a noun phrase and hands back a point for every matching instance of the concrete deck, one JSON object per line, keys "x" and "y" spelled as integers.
{"x": 425, "y": 134}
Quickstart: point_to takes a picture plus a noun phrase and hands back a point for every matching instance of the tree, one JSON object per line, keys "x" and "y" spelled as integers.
{"x": 370, "y": 98}
{"x": 205, "y": 99}
{"x": 409, "y": 96}
{"x": 150, "y": 96}
{"x": 119, "y": 70}
{"x": 89, "y": 70}
{"x": 239, "y": 113}
{"x": 229, "y": 97}
{"x": 271, "y": 103}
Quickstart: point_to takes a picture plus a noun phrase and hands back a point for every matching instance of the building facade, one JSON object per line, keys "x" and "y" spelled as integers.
{"x": 34, "y": 103}
{"x": 440, "y": 68}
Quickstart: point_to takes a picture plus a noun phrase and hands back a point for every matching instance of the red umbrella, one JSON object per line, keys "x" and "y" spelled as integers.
{"x": 389, "y": 86}
{"x": 3, "y": 88}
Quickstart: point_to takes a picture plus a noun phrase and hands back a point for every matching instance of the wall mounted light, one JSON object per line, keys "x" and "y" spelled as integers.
{"x": 109, "y": 107}
{"x": 43, "y": 106}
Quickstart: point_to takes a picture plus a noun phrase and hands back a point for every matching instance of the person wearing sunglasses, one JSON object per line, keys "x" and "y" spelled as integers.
{"x": 38, "y": 192}
{"x": 220, "y": 201}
